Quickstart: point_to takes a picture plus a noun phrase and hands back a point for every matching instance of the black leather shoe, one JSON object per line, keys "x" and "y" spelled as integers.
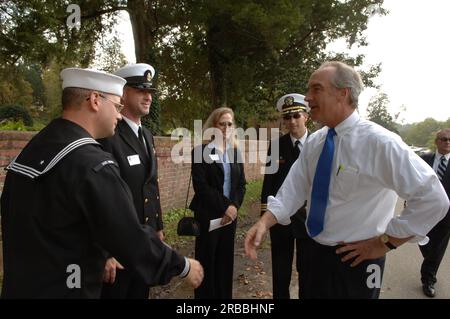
{"x": 428, "y": 290}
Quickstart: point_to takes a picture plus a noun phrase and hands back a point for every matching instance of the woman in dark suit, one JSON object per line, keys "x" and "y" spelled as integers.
{"x": 219, "y": 185}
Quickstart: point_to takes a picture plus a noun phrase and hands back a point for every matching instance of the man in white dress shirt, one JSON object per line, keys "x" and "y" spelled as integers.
{"x": 351, "y": 172}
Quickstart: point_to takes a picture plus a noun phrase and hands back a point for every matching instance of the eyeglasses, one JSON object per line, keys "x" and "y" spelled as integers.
{"x": 444, "y": 139}
{"x": 223, "y": 124}
{"x": 287, "y": 117}
{"x": 119, "y": 107}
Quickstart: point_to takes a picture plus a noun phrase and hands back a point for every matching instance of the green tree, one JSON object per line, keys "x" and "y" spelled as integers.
{"x": 420, "y": 134}
{"x": 52, "y": 90}
{"x": 377, "y": 111}
{"x": 14, "y": 88}
{"x": 240, "y": 53}
{"x": 247, "y": 53}
{"x": 111, "y": 57}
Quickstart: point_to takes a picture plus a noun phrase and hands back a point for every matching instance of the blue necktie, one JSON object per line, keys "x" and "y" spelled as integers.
{"x": 321, "y": 184}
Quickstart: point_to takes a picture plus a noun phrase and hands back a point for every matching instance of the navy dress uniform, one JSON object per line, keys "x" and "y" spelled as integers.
{"x": 135, "y": 154}
{"x": 285, "y": 237}
{"x": 64, "y": 207}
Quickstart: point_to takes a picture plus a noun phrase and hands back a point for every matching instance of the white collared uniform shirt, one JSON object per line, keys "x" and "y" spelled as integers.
{"x": 371, "y": 165}
{"x": 301, "y": 139}
{"x": 437, "y": 160}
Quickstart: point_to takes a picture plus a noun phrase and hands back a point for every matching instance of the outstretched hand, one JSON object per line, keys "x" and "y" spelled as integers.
{"x": 254, "y": 238}
{"x": 195, "y": 275}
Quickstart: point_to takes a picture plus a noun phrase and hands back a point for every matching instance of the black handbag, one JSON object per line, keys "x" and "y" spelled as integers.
{"x": 188, "y": 226}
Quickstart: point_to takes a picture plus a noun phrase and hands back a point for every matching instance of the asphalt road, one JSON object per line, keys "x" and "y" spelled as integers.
{"x": 402, "y": 273}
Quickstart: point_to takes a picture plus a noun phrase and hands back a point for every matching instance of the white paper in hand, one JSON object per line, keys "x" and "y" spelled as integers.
{"x": 215, "y": 224}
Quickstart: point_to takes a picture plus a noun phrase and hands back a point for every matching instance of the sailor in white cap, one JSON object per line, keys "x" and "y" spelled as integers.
{"x": 65, "y": 208}
{"x": 293, "y": 109}
{"x": 133, "y": 149}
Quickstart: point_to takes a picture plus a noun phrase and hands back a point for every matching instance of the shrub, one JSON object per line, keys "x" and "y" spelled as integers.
{"x": 15, "y": 113}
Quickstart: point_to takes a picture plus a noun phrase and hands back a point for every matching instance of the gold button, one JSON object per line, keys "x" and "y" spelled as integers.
{"x": 146, "y": 200}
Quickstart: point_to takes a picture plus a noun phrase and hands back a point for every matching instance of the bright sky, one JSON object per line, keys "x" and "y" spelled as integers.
{"x": 412, "y": 44}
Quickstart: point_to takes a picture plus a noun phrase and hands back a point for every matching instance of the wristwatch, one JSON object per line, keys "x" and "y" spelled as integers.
{"x": 385, "y": 240}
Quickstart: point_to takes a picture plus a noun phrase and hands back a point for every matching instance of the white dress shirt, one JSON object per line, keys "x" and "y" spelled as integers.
{"x": 301, "y": 139}
{"x": 371, "y": 165}
{"x": 134, "y": 127}
{"x": 437, "y": 160}
{"x": 225, "y": 160}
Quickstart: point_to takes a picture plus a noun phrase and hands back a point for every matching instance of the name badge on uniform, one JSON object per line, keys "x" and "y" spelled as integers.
{"x": 134, "y": 160}
{"x": 214, "y": 157}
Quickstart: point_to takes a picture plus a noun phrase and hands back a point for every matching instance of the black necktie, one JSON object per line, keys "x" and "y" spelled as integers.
{"x": 296, "y": 149}
{"x": 442, "y": 168}
{"x": 141, "y": 139}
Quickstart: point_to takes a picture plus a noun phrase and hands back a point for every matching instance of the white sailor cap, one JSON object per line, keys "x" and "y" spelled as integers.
{"x": 139, "y": 75}
{"x": 292, "y": 103}
{"x": 92, "y": 80}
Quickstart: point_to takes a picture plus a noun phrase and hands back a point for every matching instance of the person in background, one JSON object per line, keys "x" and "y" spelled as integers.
{"x": 219, "y": 183}
{"x": 284, "y": 238}
{"x": 439, "y": 235}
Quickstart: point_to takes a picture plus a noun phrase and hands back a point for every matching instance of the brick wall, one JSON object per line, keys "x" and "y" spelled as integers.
{"x": 173, "y": 178}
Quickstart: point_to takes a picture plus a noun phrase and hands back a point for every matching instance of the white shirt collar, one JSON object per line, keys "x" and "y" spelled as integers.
{"x": 347, "y": 124}
{"x": 134, "y": 127}
{"x": 214, "y": 145}
{"x": 439, "y": 155}
{"x": 301, "y": 139}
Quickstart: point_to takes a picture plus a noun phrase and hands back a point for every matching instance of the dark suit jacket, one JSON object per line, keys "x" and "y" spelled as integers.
{"x": 273, "y": 182}
{"x": 207, "y": 178}
{"x": 142, "y": 179}
{"x": 429, "y": 158}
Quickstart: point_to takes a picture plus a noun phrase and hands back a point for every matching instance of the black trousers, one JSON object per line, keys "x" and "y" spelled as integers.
{"x": 283, "y": 243}
{"x": 126, "y": 286}
{"x": 434, "y": 251}
{"x": 325, "y": 276}
{"x": 215, "y": 251}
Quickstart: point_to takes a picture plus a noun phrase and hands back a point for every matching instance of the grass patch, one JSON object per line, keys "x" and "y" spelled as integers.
{"x": 172, "y": 216}
{"x": 171, "y": 219}
{"x": 11, "y": 125}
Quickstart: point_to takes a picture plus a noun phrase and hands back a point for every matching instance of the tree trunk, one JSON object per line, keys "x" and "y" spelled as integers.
{"x": 143, "y": 26}
{"x": 217, "y": 67}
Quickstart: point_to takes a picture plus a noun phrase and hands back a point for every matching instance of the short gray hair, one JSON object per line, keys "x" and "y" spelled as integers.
{"x": 444, "y": 130}
{"x": 346, "y": 77}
